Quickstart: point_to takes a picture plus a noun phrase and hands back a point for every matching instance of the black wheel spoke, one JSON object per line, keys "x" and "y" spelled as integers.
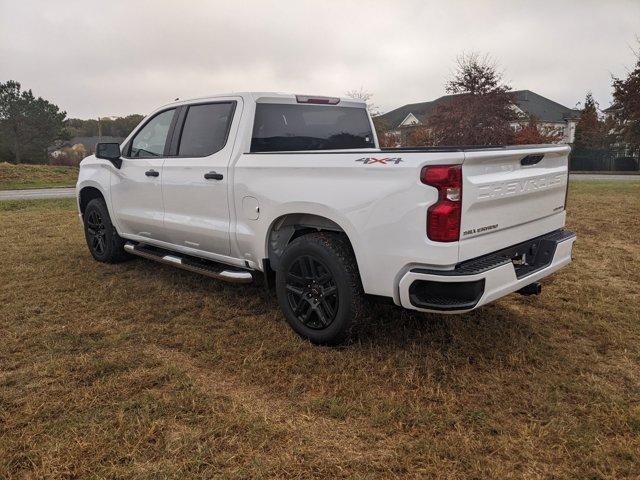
{"x": 305, "y": 311}
{"x": 100, "y": 245}
{"x": 320, "y": 314}
{"x": 295, "y": 279}
{"x": 305, "y": 267}
{"x": 300, "y": 306}
{"x": 313, "y": 267}
{"x": 327, "y": 308}
{"x": 295, "y": 290}
{"x": 330, "y": 290}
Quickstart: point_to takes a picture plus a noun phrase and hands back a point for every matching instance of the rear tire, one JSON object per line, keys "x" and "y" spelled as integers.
{"x": 102, "y": 238}
{"x": 319, "y": 288}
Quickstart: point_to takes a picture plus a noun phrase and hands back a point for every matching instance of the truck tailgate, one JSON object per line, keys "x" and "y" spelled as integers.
{"x": 511, "y": 195}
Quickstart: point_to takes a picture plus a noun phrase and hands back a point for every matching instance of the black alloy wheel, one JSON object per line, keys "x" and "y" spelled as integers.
{"x": 312, "y": 292}
{"x": 102, "y": 238}
{"x": 96, "y": 233}
{"x": 319, "y": 288}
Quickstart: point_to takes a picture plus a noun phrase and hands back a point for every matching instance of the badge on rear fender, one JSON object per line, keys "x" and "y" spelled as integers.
{"x": 382, "y": 161}
{"x": 480, "y": 229}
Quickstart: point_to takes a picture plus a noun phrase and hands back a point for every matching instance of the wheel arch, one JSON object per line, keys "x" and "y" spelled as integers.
{"x": 286, "y": 228}
{"x": 87, "y": 194}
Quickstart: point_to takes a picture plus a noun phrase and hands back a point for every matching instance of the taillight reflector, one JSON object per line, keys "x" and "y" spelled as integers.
{"x": 443, "y": 217}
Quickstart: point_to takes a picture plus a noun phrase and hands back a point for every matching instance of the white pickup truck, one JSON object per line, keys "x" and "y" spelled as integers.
{"x": 296, "y": 187}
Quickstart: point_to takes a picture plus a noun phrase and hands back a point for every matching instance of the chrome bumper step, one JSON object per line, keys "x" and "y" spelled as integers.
{"x": 197, "y": 265}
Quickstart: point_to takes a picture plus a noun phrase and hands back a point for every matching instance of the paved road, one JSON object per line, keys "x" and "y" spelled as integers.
{"x": 599, "y": 176}
{"x": 37, "y": 193}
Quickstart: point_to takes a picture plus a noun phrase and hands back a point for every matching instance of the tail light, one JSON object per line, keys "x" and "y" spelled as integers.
{"x": 566, "y": 190}
{"x": 317, "y": 100}
{"x": 443, "y": 217}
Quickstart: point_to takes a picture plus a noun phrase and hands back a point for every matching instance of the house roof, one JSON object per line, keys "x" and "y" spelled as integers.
{"x": 529, "y": 102}
{"x": 544, "y": 109}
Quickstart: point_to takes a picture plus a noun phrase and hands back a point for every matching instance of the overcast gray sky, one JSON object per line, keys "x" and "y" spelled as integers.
{"x": 119, "y": 57}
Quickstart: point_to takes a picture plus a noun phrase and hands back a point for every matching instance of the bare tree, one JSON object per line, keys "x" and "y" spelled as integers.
{"x": 385, "y": 137}
{"x": 476, "y": 74}
{"x": 366, "y": 97}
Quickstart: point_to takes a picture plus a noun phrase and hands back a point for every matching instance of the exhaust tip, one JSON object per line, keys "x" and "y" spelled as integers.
{"x": 534, "y": 288}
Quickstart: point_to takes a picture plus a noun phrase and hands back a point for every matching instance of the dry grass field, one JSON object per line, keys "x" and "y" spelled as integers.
{"x": 36, "y": 176}
{"x": 142, "y": 371}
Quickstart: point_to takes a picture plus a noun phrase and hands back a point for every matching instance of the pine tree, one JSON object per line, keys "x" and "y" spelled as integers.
{"x": 27, "y": 124}
{"x": 590, "y": 130}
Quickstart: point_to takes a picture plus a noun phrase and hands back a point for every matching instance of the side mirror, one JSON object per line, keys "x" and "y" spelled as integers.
{"x": 109, "y": 151}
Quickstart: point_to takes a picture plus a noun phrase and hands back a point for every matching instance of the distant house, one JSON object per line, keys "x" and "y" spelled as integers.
{"x": 71, "y": 152}
{"x": 89, "y": 143}
{"x": 550, "y": 114}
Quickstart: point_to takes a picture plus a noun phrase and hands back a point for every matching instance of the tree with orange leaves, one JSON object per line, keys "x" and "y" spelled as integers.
{"x": 532, "y": 133}
{"x": 479, "y": 112}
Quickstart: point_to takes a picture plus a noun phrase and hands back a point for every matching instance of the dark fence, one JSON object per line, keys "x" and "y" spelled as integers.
{"x": 602, "y": 160}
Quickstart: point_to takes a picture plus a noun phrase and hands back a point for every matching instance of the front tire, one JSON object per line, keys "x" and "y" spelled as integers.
{"x": 102, "y": 238}
{"x": 319, "y": 288}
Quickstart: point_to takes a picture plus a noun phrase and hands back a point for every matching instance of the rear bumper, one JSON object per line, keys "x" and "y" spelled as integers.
{"x": 476, "y": 282}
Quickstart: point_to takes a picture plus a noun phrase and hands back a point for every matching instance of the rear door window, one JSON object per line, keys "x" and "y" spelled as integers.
{"x": 286, "y": 127}
{"x": 205, "y": 129}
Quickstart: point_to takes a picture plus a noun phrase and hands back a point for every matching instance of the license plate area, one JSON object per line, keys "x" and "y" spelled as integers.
{"x": 533, "y": 255}
{"x": 525, "y": 257}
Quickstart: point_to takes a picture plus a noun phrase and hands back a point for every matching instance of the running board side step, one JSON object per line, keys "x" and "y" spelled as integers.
{"x": 192, "y": 264}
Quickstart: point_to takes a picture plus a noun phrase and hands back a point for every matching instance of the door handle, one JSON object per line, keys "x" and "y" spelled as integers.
{"x": 213, "y": 176}
{"x": 152, "y": 173}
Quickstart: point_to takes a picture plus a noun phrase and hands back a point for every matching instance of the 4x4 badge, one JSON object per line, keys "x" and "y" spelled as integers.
{"x": 383, "y": 161}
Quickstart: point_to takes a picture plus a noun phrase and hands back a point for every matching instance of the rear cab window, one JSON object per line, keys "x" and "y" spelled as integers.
{"x": 300, "y": 127}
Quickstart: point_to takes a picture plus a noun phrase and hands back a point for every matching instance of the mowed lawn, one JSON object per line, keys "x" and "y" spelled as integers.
{"x": 139, "y": 370}
{"x": 15, "y": 177}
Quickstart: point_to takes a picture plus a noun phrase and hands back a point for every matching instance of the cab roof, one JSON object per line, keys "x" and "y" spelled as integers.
{"x": 272, "y": 97}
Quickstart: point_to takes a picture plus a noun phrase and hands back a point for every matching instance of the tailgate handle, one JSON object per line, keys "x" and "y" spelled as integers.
{"x": 531, "y": 159}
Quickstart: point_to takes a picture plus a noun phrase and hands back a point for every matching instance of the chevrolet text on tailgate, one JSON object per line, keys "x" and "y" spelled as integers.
{"x": 295, "y": 189}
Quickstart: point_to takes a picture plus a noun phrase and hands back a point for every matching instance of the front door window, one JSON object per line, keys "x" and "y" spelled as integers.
{"x": 150, "y": 141}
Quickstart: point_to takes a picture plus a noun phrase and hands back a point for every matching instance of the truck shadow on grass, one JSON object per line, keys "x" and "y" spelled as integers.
{"x": 491, "y": 334}
{"x": 494, "y": 334}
